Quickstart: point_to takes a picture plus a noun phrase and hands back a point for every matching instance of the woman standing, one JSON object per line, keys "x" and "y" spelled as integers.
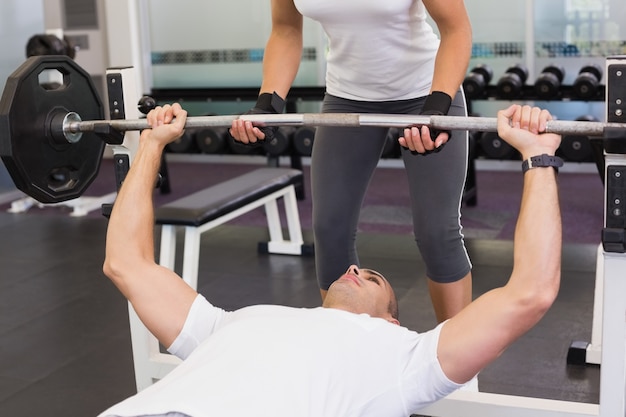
{"x": 383, "y": 57}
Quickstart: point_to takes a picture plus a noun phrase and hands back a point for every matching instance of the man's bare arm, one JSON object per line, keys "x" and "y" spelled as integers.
{"x": 159, "y": 296}
{"x": 481, "y": 332}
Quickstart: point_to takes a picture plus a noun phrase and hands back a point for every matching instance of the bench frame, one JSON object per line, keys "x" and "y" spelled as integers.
{"x": 277, "y": 244}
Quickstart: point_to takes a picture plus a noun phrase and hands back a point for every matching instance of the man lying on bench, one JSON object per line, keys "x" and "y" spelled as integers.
{"x": 349, "y": 357}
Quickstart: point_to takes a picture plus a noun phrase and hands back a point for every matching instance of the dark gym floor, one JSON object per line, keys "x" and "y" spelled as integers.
{"x": 64, "y": 336}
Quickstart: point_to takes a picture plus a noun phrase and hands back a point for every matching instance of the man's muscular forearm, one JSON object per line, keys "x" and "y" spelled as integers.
{"x": 130, "y": 235}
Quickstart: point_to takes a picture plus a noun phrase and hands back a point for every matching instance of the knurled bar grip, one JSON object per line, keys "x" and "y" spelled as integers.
{"x": 481, "y": 124}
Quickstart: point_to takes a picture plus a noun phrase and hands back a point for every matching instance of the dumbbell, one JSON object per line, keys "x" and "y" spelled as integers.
{"x": 577, "y": 148}
{"x": 510, "y": 85}
{"x": 48, "y": 44}
{"x": 211, "y": 140}
{"x": 281, "y": 142}
{"x": 303, "y": 140}
{"x": 586, "y": 84}
{"x": 238, "y": 147}
{"x": 476, "y": 81}
{"x": 184, "y": 144}
{"x": 495, "y": 148}
{"x": 145, "y": 104}
{"x": 548, "y": 83}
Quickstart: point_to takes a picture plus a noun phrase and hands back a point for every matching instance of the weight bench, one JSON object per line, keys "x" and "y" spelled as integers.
{"x": 200, "y": 212}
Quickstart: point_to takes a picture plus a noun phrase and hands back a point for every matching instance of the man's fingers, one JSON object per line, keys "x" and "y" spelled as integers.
{"x": 507, "y": 118}
{"x": 543, "y": 119}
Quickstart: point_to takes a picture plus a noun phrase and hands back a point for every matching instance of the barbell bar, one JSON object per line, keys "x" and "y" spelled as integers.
{"x": 73, "y": 126}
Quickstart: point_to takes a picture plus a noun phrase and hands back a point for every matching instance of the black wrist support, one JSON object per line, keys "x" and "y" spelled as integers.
{"x": 271, "y": 103}
{"x": 437, "y": 103}
{"x": 266, "y": 103}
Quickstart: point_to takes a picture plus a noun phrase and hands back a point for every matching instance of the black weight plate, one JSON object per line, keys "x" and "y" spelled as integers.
{"x": 49, "y": 171}
{"x": 237, "y": 147}
{"x": 303, "y": 140}
{"x": 547, "y": 86}
{"x": 509, "y": 86}
{"x": 576, "y": 149}
{"x": 211, "y": 140}
{"x": 184, "y": 144}
{"x": 494, "y": 147}
{"x": 585, "y": 86}
{"x": 281, "y": 142}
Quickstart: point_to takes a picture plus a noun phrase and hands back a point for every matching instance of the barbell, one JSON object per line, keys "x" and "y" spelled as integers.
{"x": 73, "y": 126}
{"x": 52, "y": 137}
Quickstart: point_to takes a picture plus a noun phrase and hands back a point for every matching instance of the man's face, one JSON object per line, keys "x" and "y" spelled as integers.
{"x": 362, "y": 291}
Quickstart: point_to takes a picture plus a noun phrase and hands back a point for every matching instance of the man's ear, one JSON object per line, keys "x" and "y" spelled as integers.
{"x": 393, "y": 321}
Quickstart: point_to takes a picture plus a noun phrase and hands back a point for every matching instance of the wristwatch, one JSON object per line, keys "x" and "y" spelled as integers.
{"x": 543, "y": 160}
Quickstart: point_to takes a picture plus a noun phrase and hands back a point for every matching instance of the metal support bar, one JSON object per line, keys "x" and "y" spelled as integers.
{"x": 73, "y": 125}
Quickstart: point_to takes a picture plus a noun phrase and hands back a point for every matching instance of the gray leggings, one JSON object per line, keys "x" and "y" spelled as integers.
{"x": 342, "y": 163}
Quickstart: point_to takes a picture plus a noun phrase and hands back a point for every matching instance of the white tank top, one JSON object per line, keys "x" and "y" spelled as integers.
{"x": 379, "y": 50}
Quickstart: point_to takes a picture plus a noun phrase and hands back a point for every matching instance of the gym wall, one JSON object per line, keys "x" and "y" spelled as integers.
{"x": 83, "y": 23}
{"x": 19, "y": 19}
{"x": 221, "y": 44}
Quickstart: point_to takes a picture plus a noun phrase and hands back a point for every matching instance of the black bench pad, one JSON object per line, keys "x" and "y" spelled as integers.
{"x": 220, "y": 199}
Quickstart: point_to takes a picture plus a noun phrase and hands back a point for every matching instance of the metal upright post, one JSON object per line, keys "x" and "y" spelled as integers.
{"x": 613, "y": 374}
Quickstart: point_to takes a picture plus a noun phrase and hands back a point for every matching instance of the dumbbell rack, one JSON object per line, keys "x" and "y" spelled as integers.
{"x": 527, "y": 93}
{"x": 514, "y": 85}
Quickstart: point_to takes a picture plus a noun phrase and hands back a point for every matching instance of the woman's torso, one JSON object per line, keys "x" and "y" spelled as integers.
{"x": 378, "y": 50}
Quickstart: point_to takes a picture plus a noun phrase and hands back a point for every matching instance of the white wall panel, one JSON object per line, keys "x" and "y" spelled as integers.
{"x": 19, "y": 20}
{"x": 220, "y": 44}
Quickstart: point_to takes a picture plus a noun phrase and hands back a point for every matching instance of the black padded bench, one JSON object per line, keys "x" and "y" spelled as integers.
{"x": 200, "y": 212}
{"x": 220, "y": 203}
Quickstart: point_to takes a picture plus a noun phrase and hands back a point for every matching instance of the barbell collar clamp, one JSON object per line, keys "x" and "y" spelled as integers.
{"x": 69, "y": 119}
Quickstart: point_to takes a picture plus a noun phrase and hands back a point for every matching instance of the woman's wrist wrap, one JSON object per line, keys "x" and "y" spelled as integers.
{"x": 438, "y": 104}
{"x": 269, "y": 103}
{"x": 266, "y": 103}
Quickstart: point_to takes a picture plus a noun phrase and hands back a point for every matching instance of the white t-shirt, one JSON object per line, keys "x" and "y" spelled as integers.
{"x": 284, "y": 362}
{"x": 378, "y": 50}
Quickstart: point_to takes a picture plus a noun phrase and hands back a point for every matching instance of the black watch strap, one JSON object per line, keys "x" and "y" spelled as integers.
{"x": 543, "y": 160}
